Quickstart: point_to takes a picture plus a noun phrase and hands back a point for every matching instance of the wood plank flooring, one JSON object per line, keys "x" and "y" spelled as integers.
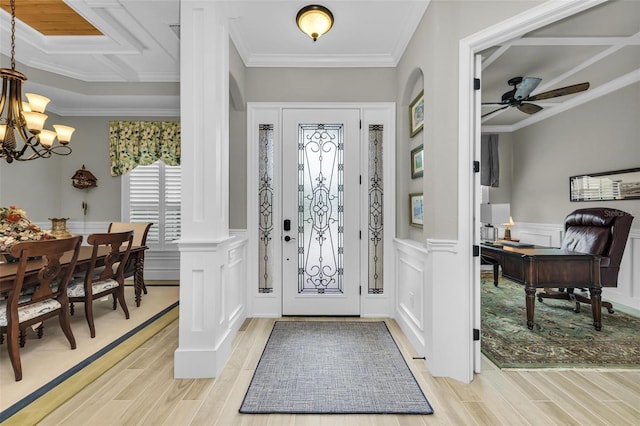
{"x": 140, "y": 390}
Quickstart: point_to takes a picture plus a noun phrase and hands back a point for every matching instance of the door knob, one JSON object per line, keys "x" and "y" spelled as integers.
{"x": 288, "y": 238}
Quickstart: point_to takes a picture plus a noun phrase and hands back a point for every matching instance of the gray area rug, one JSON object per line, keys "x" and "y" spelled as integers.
{"x": 321, "y": 367}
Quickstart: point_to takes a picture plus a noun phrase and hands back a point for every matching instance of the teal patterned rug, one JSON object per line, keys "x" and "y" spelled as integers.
{"x": 561, "y": 338}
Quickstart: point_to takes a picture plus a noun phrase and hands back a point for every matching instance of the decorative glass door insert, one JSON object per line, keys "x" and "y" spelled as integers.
{"x": 320, "y": 208}
{"x": 265, "y": 207}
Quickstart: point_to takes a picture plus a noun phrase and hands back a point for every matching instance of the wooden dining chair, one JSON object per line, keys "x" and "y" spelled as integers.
{"x": 110, "y": 280}
{"x": 49, "y": 295}
{"x": 140, "y": 232}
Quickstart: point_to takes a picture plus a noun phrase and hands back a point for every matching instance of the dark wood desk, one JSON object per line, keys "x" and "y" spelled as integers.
{"x": 8, "y": 270}
{"x": 546, "y": 267}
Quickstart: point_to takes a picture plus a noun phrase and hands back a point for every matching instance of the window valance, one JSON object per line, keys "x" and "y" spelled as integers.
{"x": 133, "y": 143}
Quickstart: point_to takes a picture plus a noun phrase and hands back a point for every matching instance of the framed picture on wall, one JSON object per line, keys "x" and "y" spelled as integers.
{"x": 416, "y": 210}
{"x": 417, "y": 162}
{"x": 416, "y": 114}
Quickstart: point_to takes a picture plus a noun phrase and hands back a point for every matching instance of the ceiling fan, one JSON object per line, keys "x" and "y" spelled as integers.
{"x": 522, "y": 87}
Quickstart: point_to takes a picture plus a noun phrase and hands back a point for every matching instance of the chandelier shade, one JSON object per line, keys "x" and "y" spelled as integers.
{"x": 22, "y": 133}
{"x": 314, "y": 20}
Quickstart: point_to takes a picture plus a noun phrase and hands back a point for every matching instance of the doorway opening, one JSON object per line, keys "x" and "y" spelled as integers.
{"x": 470, "y": 129}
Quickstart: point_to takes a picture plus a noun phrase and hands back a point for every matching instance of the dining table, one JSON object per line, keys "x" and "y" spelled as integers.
{"x": 8, "y": 270}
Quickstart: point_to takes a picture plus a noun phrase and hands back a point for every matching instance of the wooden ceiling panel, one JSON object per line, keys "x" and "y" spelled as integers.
{"x": 51, "y": 18}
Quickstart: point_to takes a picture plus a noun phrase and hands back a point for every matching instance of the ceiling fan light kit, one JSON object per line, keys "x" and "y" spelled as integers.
{"x": 314, "y": 20}
{"x": 520, "y": 96}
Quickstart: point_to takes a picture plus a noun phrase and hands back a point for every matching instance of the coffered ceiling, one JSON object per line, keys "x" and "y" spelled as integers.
{"x": 133, "y": 66}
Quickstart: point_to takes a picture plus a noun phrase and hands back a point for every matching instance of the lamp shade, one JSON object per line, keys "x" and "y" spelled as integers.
{"x": 37, "y": 103}
{"x": 64, "y": 133}
{"x": 35, "y": 121}
{"x": 495, "y": 213}
{"x": 46, "y": 137}
{"x": 314, "y": 20}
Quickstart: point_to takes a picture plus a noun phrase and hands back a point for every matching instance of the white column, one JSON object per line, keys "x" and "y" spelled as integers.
{"x": 205, "y": 329}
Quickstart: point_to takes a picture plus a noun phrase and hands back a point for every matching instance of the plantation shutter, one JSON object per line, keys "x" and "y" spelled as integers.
{"x": 172, "y": 189}
{"x": 154, "y": 196}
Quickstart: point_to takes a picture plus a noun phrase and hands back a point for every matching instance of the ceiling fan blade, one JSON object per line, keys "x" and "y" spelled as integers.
{"x": 563, "y": 91}
{"x": 495, "y": 110}
{"x": 492, "y": 103}
{"x": 526, "y": 86}
{"x": 529, "y": 108}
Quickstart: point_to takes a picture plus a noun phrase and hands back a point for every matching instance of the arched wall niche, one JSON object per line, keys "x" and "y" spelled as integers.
{"x": 415, "y": 83}
{"x": 235, "y": 95}
{"x": 408, "y": 185}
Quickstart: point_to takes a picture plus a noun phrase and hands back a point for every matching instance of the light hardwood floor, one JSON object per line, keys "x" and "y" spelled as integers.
{"x": 140, "y": 390}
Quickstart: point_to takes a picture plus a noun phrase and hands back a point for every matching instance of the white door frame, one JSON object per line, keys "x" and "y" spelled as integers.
{"x": 270, "y": 304}
{"x": 469, "y": 137}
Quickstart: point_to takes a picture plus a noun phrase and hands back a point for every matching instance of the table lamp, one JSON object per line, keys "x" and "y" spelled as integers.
{"x": 490, "y": 214}
{"x": 507, "y": 228}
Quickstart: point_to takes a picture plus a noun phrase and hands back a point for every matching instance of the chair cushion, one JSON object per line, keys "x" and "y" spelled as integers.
{"x": 591, "y": 217}
{"x": 76, "y": 287}
{"x": 28, "y": 312}
{"x": 586, "y": 239}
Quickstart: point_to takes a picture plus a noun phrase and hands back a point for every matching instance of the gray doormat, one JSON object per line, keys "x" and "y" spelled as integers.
{"x": 321, "y": 367}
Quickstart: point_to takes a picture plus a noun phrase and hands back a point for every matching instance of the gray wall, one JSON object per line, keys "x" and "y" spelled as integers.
{"x": 237, "y": 142}
{"x": 434, "y": 50}
{"x": 43, "y": 188}
{"x": 321, "y": 84}
{"x": 599, "y": 136}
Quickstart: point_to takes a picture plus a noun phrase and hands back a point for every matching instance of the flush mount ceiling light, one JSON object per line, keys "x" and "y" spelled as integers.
{"x": 314, "y": 20}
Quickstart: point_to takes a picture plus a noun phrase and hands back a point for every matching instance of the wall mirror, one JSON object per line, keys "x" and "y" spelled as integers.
{"x": 615, "y": 185}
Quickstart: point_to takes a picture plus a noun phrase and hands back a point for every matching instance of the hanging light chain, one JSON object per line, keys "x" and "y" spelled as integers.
{"x": 13, "y": 35}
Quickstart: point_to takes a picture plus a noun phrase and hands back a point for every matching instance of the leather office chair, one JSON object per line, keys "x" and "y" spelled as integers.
{"x": 110, "y": 280}
{"x": 598, "y": 230}
{"x": 49, "y": 296}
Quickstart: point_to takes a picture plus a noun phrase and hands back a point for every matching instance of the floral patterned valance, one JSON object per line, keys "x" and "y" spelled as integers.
{"x": 133, "y": 143}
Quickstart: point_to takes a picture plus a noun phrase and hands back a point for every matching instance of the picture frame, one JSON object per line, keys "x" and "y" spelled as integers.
{"x": 416, "y": 209}
{"x": 606, "y": 186}
{"x": 416, "y": 114}
{"x": 417, "y": 162}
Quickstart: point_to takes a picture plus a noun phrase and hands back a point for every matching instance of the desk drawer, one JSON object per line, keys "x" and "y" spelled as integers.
{"x": 513, "y": 268}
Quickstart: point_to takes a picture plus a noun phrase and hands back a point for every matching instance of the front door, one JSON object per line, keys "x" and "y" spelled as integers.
{"x": 321, "y": 211}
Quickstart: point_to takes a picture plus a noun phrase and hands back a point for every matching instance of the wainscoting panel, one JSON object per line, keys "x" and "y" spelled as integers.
{"x": 205, "y": 345}
{"x": 236, "y": 283}
{"x": 411, "y": 288}
{"x": 542, "y": 234}
{"x": 428, "y": 307}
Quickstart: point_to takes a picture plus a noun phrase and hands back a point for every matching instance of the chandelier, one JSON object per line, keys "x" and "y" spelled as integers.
{"x": 22, "y": 133}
